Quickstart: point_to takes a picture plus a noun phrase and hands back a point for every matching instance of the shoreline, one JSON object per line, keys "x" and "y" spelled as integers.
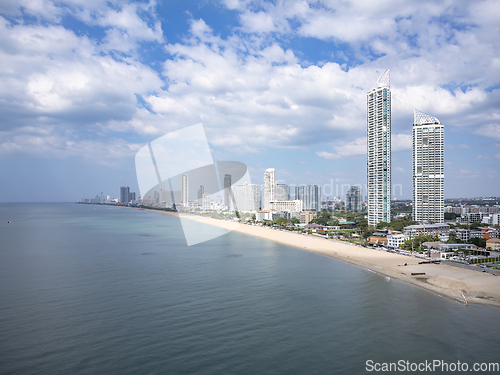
{"x": 446, "y": 280}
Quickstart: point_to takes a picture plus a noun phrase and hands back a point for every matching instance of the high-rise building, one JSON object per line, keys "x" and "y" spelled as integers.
{"x": 201, "y": 191}
{"x": 428, "y": 169}
{"x": 227, "y": 191}
{"x": 206, "y": 202}
{"x": 354, "y": 199}
{"x": 185, "y": 190}
{"x": 310, "y": 195}
{"x": 379, "y": 151}
{"x": 246, "y": 197}
{"x": 131, "y": 196}
{"x": 268, "y": 189}
{"x": 282, "y": 192}
{"x": 124, "y": 194}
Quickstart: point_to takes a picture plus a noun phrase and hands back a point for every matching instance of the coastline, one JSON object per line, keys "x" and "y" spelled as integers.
{"x": 453, "y": 282}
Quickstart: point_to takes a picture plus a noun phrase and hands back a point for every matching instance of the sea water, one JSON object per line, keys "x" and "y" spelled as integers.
{"x": 87, "y": 289}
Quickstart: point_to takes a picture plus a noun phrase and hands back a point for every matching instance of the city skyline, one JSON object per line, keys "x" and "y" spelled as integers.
{"x": 282, "y": 85}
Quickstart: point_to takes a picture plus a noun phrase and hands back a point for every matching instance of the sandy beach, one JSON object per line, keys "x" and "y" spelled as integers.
{"x": 450, "y": 281}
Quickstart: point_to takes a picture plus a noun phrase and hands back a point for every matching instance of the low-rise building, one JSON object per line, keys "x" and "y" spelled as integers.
{"x": 293, "y": 206}
{"x": 440, "y": 230}
{"x": 461, "y": 234}
{"x": 472, "y": 217}
{"x": 491, "y": 219}
{"x": 380, "y": 237}
{"x": 313, "y": 227}
{"x": 307, "y": 216}
{"x": 396, "y": 241}
{"x": 448, "y": 250}
{"x": 263, "y": 215}
{"x": 493, "y": 244}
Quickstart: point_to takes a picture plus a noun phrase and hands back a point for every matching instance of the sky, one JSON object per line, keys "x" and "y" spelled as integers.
{"x": 85, "y": 84}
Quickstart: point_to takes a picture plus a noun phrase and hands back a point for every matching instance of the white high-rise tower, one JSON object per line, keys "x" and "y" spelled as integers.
{"x": 268, "y": 189}
{"x": 379, "y": 151}
{"x": 185, "y": 190}
{"x": 428, "y": 168}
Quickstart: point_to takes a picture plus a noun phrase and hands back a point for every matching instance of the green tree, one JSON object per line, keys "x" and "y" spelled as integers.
{"x": 475, "y": 225}
{"x": 281, "y": 221}
{"x": 383, "y": 224}
{"x": 452, "y": 238}
{"x": 417, "y": 241}
{"x": 450, "y": 216}
{"x": 254, "y": 217}
{"x": 324, "y": 215}
{"x": 319, "y": 221}
{"x": 294, "y": 220}
{"x": 479, "y": 242}
{"x": 237, "y": 214}
{"x": 368, "y": 231}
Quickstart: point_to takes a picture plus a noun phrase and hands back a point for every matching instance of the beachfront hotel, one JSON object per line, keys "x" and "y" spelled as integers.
{"x": 428, "y": 169}
{"x": 268, "y": 189}
{"x": 379, "y": 151}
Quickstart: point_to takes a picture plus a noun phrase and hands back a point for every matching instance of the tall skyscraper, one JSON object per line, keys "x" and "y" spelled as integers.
{"x": 428, "y": 168}
{"x": 124, "y": 194}
{"x": 185, "y": 190}
{"x": 268, "y": 189}
{"x": 282, "y": 192}
{"x": 354, "y": 199}
{"x": 227, "y": 191}
{"x": 379, "y": 151}
{"x": 310, "y": 196}
{"x": 201, "y": 191}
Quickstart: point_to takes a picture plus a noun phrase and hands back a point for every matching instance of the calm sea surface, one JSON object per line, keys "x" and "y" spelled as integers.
{"x": 88, "y": 289}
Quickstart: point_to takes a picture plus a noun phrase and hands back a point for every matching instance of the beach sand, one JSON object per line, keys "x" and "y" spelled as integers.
{"x": 450, "y": 281}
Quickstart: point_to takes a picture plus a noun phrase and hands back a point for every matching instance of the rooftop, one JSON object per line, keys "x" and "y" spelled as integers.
{"x": 426, "y": 226}
{"x": 421, "y": 118}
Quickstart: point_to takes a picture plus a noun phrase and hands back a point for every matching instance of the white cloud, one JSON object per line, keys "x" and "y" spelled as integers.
{"x": 356, "y": 147}
{"x": 260, "y": 22}
{"x": 54, "y": 141}
{"x": 400, "y": 142}
{"x": 252, "y": 90}
{"x": 490, "y": 131}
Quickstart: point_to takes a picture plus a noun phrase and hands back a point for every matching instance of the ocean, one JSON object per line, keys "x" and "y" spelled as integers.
{"x": 88, "y": 289}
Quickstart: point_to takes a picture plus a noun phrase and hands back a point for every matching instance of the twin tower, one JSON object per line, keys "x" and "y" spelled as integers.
{"x": 427, "y": 166}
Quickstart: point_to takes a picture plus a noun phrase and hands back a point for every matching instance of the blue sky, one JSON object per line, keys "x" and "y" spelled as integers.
{"x": 85, "y": 84}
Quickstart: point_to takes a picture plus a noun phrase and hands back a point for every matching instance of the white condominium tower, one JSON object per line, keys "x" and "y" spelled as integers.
{"x": 428, "y": 169}
{"x": 268, "y": 189}
{"x": 246, "y": 197}
{"x": 185, "y": 190}
{"x": 379, "y": 151}
{"x": 310, "y": 195}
